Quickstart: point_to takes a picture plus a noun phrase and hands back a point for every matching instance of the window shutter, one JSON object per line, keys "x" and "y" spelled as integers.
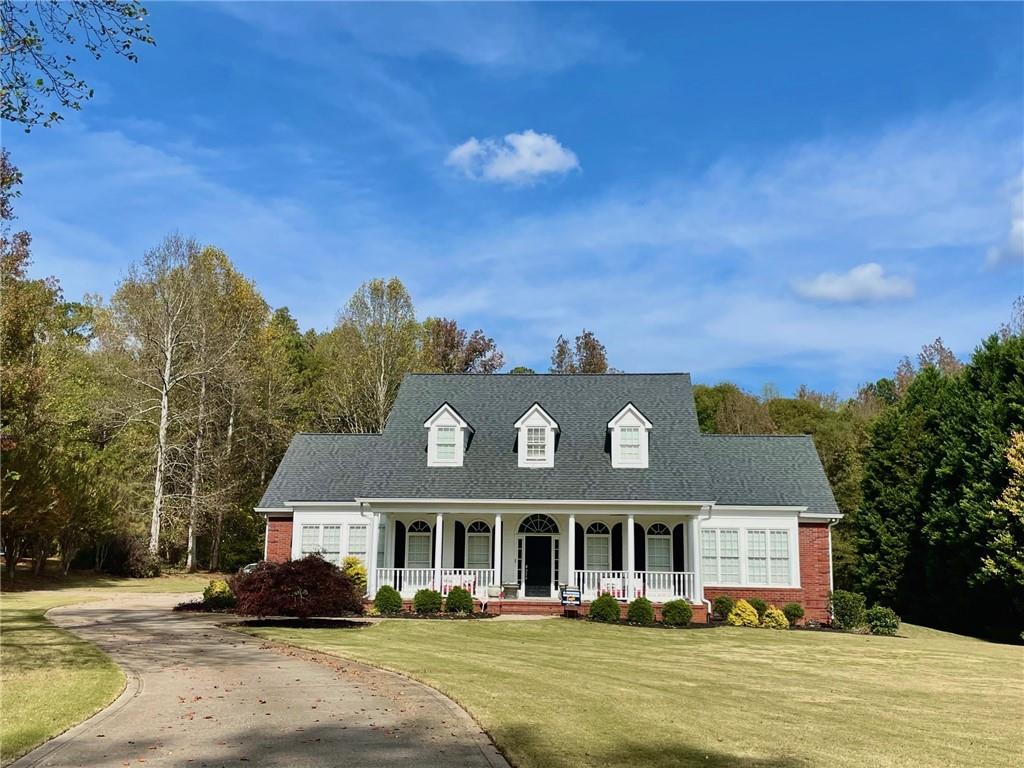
{"x": 459, "y": 550}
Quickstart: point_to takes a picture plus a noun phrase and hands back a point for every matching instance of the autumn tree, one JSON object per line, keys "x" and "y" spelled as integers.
{"x": 38, "y": 44}
{"x": 588, "y": 355}
{"x": 449, "y": 349}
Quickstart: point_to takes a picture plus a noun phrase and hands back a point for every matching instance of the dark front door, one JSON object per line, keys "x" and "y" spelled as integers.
{"x": 538, "y": 566}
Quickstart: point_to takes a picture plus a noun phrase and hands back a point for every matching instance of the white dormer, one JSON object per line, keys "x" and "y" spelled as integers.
{"x": 536, "y": 438}
{"x": 446, "y": 437}
{"x": 630, "y": 444}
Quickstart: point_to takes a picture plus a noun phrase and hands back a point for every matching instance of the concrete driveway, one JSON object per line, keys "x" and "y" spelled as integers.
{"x": 199, "y": 696}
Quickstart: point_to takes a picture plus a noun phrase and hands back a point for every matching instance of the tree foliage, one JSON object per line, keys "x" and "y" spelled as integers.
{"x": 587, "y": 355}
{"x": 39, "y": 41}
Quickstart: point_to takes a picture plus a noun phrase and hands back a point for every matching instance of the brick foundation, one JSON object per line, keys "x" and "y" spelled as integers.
{"x": 815, "y": 568}
{"x": 279, "y": 539}
{"x": 552, "y": 608}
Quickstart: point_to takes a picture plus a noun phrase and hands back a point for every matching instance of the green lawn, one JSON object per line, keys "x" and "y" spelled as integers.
{"x": 563, "y": 693}
{"x": 49, "y": 679}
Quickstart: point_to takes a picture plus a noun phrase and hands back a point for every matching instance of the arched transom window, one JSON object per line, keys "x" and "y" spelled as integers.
{"x": 538, "y": 524}
{"x": 659, "y": 547}
{"x": 478, "y": 545}
{"x": 417, "y": 545}
{"x": 598, "y": 547}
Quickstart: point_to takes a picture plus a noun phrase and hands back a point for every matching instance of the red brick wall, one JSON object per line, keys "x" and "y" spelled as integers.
{"x": 814, "y": 577}
{"x": 279, "y": 539}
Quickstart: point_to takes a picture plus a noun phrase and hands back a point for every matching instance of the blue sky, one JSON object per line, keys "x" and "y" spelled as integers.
{"x": 762, "y": 193}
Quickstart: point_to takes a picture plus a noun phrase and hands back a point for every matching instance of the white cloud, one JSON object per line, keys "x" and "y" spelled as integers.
{"x": 518, "y": 158}
{"x": 866, "y": 282}
{"x": 1012, "y": 250}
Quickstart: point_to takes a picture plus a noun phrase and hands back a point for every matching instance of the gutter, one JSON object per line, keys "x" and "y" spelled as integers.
{"x": 831, "y": 565}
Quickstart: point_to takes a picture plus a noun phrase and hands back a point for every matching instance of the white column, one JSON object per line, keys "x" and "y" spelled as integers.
{"x": 693, "y": 534}
{"x": 371, "y": 576}
{"x": 630, "y": 558}
{"x": 438, "y": 537}
{"x": 570, "y": 550}
{"x": 499, "y": 546}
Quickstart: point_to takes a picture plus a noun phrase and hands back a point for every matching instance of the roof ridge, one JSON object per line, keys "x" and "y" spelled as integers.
{"x": 562, "y": 375}
{"x": 340, "y": 434}
{"x": 754, "y": 434}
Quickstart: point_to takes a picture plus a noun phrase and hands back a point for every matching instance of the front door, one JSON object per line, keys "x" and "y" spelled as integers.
{"x": 538, "y": 566}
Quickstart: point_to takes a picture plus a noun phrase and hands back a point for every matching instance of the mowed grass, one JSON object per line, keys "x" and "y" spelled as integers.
{"x": 49, "y": 679}
{"x": 559, "y": 693}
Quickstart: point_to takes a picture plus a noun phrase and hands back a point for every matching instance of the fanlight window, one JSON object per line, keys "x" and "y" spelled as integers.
{"x": 478, "y": 545}
{"x": 659, "y": 529}
{"x": 478, "y": 527}
{"x": 538, "y": 524}
{"x": 598, "y": 528}
{"x": 659, "y": 548}
{"x": 419, "y": 527}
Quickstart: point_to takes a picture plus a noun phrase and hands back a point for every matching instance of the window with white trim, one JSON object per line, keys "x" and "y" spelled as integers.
{"x": 536, "y": 443}
{"x": 357, "y": 541}
{"x": 778, "y": 557}
{"x": 478, "y": 545}
{"x": 757, "y": 557}
{"x": 417, "y": 545}
{"x": 659, "y": 548}
{"x": 330, "y": 546}
{"x": 629, "y": 443}
{"x": 310, "y": 541}
{"x": 445, "y": 438}
{"x": 720, "y": 555}
{"x": 598, "y": 547}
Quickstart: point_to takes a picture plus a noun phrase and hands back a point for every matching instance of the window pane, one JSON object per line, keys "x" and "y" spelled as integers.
{"x": 598, "y": 555}
{"x": 332, "y": 539}
{"x": 779, "y": 564}
{"x": 418, "y": 550}
{"x": 478, "y": 550}
{"x": 729, "y": 556}
{"x": 446, "y": 443}
{"x": 629, "y": 442}
{"x": 357, "y": 540}
{"x": 659, "y": 553}
{"x": 757, "y": 557}
{"x": 709, "y": 555}
{"x": 310, "y": 539}
{"x": 536, "y": 440}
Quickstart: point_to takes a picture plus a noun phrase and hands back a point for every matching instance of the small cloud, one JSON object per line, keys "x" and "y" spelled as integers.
{"x": 1012, "y": 250}
{"x": 518, "y": 158}
{"x": 866, "y": 282}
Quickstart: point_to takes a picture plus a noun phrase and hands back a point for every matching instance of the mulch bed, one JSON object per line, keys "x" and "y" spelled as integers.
{"x": 437, "y": 616}
{"x": 624, "y": 623}
{"x": 198, "y": 606}
{"x": 325, "y": 623}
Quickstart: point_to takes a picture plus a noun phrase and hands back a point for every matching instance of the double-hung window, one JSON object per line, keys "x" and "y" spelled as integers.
{"x": 446, "y": 445}
{"x": 310, "y": 542}
{"x": 599, "y": 547}
{"x": 757, "y": 557}
{"x": 417, "y": 545}
{"x": 536, "y": 443}
{"x": 331, "y": 544}
{"x": 659, "y": 548}
{"x": 357, "y": 535}
{"x": 720, "y": 555}
{"x": 629, "y": 443}
{"x": 478, "y": 545}
{"x": 778, "y": 557}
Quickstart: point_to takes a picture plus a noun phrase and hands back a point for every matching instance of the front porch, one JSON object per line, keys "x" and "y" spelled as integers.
{"x": 532, "y": 556}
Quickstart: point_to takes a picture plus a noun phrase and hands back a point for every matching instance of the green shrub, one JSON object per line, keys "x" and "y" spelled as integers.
{"x": 743, "y": 615}
{"x": 458, "y": 601}
{"x": 605, "y": 608}
{"x": 760, "y": 606}
{"x": 387, "y": 600}
{"x": 640, "y": 611}
{"x": 774, "y": 619}
{"x": 882, "y": 620}
{"x": 847, "y": 609}
{"x": 676, "y": 613}
{"x": 354, "y": 568}
{"x": 794, "y": 612}
{"x": 218, "y": 595}
{"x": 427, "y": 601}
{"x": 722, "y": 606}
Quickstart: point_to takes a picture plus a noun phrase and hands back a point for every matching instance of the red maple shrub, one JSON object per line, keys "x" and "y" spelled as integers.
{"x": 300, "y": 588}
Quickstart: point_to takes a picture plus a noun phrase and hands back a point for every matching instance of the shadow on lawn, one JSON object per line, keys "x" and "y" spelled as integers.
{"x": 634, "y": 747}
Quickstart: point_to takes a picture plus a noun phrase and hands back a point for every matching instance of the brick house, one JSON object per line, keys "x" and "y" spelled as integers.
{"x": 515, "y": 486}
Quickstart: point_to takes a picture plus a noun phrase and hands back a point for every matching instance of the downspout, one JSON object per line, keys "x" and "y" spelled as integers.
{"x": 697, "y": 556}
{"x": 831, "y": 583}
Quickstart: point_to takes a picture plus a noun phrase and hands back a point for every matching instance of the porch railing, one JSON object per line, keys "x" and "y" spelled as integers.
{"x": 657, "y": 586}
{"x": 410, "y": 580}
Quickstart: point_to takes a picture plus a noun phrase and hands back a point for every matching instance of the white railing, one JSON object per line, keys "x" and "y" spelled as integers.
{"x": 656, "y": 586}
{"x": 409, "y": 580}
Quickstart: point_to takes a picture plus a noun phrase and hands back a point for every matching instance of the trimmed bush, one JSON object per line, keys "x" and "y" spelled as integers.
{"x": 640, "y": 611}
{"x": 299, "y": 588}
{"x": 743, "y": 615}
{"x": 605, "y": 608}
{"x": 882, "y": 620}
{"x": 387, "y": 601}
{"x": 775, "y": 619}
{"x": 676, "y": 613}
{"x": 722, "y": 606}
{"x": 218, "y": 595}
{"x": 794, "y": 612}
{"x": 356, "y": 571}
{"x": 760, "y": 606}
{"x": 847, "y": 609}
{"x": 427, "y": 601}
{"x": 458, "y": 601}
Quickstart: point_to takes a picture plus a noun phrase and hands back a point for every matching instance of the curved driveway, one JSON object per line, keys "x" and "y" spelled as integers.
{"x": 201, "y": 696}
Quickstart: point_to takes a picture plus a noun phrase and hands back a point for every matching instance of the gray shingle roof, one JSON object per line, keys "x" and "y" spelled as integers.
{"x": 322, "y": 467}
{"x": 769, "y": 469}
{"x": 684, "y": 464}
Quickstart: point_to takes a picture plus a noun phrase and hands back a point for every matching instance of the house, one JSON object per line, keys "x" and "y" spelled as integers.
{"x": 516, "y": 485}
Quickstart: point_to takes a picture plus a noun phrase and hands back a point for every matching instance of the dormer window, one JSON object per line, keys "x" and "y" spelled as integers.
{"x": 446, "y": 437}
{"x": 630, "y": 432}
{"x": 536, "y": 438}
